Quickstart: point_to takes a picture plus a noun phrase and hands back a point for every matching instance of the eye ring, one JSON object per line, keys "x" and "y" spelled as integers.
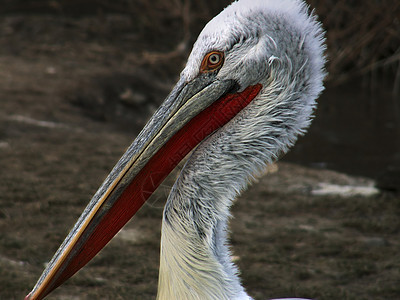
{"x": 212, "y": 61}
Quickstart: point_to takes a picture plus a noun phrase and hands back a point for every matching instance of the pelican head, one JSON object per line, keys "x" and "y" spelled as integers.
{"x": 247, "y": 91}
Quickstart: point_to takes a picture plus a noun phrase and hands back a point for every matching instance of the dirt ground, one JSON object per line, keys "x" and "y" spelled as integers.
{"x": 73, "y": 99}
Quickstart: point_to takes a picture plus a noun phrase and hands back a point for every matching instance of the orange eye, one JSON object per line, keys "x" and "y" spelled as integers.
{"x": 212, "y": 61}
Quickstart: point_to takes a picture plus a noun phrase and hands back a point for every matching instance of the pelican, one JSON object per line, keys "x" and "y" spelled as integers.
{"x": 247, "y": 92}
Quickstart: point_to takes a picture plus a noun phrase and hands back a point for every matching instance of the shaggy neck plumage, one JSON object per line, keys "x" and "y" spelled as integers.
{"x": 195, "y": 261}
{"x": 286, "y": 58}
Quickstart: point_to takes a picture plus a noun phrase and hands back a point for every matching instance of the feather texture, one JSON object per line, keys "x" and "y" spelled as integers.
{"x": 279, "y": 44}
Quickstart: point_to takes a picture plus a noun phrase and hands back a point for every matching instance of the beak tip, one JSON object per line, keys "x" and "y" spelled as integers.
{"x": 28, "y": 297}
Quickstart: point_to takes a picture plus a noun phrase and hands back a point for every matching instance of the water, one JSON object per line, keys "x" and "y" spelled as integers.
{"x": 356, "y": 131}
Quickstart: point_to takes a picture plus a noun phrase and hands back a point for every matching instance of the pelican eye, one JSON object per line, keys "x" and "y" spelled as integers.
{"x": 212, "y": 61}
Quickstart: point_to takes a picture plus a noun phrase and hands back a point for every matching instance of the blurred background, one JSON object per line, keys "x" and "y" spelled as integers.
{"x": 78, "y": 80}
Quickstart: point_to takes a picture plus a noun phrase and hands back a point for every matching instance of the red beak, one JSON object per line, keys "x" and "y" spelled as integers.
{"x": 189, "y": 114}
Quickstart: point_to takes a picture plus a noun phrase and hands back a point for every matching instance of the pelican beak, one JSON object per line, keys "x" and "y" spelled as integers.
{"x": 191, "y": 112}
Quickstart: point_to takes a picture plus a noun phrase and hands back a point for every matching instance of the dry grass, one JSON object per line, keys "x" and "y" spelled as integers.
{"x": 362, "y": 36}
